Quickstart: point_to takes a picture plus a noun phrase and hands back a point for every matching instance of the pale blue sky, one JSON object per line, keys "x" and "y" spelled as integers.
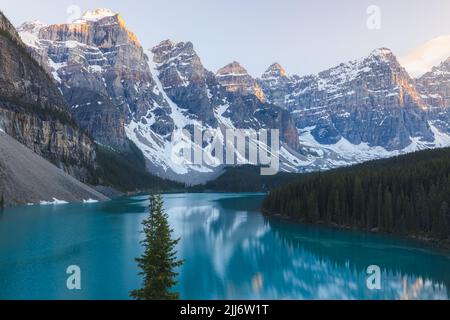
{"x": 304, "y": 36}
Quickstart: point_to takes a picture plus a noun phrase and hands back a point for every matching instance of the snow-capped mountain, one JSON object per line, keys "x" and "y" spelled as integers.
{"x": 101, "y": 70}
{"x": 96, "y": 15}
{"x": 120, "y": 93}
{"x": 235, "y": 78}
{"x": 276, "y": 84}
{"x": 370, "y": 101}
{"x": 33, "y": 111}
{"x": 204, "y": 95}
{"x": 360, "y": 110}
{"x": 198, "y": 98}
{"x": 435, "y": 89}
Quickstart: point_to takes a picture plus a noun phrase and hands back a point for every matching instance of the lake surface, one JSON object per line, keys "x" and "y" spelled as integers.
{"x": 230, "y": 250}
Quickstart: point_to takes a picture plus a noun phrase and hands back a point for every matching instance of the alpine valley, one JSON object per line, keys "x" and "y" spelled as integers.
{"x": 98, "y": 199}
{"x": 110, "y": 95}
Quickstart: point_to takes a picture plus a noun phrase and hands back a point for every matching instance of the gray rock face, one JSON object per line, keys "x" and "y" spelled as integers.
{"x": 33, "y": 111}
{"x": 235, "y": 78}
{"x": 28, "y": 32}
{"x": 117, "y": 93}
{"x": 102, "y": 71}
{"x": 276, "y": 85}
{"x": 26, "y": 177}
{"x": 187, "y": 83}
{"x": 372, "y": 100}
{"x": 202, "y": 94}
{"x": 434, "y": 87}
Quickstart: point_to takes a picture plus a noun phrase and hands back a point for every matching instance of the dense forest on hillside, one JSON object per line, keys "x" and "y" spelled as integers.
{"x": 127, "y": 172}
{"x": 406, "y": 195}
{"x": 246, "y": 178}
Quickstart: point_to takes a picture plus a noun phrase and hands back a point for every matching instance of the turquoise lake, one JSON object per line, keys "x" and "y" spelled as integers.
{"x": 231, "y": 251}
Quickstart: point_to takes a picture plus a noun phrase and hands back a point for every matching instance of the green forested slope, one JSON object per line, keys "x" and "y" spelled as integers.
{"x": 407, "y": 195}
{"x": 245, "y": 178}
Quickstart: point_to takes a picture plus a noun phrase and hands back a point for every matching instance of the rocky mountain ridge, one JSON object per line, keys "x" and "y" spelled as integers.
{"x": 235, "y": 78}
{"x": 34, "y": 112}
{"x": 372, "y": 100}
{"x": 27, "y": 178}
{"x": 119, "y": 93}
{"x": 434, "y": 87}
{"x": 357, "y": 111}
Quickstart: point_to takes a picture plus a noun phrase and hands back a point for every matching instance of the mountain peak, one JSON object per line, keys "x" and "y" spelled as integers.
{"x": 232, "y": 69}
{"x": 276, "y": 70}
{"x": 384, "y": 53}
{"x": 31, "y": 27}
{"x": 97, "y": 14}
{"x": 165, "y": 44}
{"x": 94, "y": 17}
{"x": 175, "y": 52}
{"x": 235, "y": 78}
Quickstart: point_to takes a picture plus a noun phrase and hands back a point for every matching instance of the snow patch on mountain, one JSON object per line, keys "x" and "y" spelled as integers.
{"x": 29, "y": 33}
{"x": 163, "y": 151}
{"x": 95, "y": 15}
{"x": 441, "y": 139}
{"x": 344, "y": 153}
{"x": 180, "y": 119}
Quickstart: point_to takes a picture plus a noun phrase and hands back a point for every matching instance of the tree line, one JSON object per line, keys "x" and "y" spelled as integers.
{"x": 245, "y": 178}
{"x": 406, "y": 195}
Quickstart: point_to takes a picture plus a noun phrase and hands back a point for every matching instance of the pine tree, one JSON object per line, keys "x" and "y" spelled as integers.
{"x": 159, "y": 261}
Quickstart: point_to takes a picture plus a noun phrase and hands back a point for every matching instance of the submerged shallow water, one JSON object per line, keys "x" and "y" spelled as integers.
{"x": 231, "y": 251}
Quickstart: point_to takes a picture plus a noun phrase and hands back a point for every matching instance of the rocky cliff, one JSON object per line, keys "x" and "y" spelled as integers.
{"x": 26, "y": 177}
{"x": 119, "y": 93}
{"x": 371, "y": 100}
{"x": 235, "y": 78}
{"x": 201, "y": 93}
{"x": 101, "y": 69}
{"x": 359, "y": 110}
{"x": 33, "y": 111}
{"x": 434, "y": 87}
{"x": 276, "y": 85}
